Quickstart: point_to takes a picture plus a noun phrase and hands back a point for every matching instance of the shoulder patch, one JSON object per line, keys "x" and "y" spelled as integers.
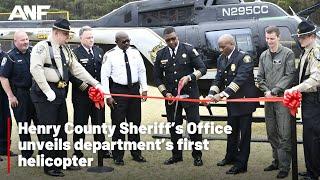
{"x": 247, "y": 59}
{"x": 4, "y": 60}
{"x": 316, "y": 53}
{"x": 40, "y": 49}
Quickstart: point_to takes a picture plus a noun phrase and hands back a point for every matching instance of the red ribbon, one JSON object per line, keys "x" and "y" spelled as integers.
{"x": 180, "y": 86}
{"x": 292, "y": 101}
{"x": 96, "y": 95}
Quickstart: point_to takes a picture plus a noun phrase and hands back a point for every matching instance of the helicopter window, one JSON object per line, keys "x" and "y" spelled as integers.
{"x": 164, "y": 17}
{"x": 285, "y": 33}
{"x": 127, "y": 17}
{"x": 242, "y": 37}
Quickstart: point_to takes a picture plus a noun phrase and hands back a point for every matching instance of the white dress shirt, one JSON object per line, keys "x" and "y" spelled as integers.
{"x": 114, "y": 66}
{"x": 175, "y": 49}
{"x": 88, "y": 50}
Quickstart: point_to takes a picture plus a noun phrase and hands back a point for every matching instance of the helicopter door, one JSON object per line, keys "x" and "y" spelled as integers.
{"x": 243, "y": 39}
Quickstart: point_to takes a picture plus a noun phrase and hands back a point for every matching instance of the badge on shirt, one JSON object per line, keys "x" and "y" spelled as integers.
{"x": 19, "y": 60}
{"x": 84, "y": 60}
{"x": 164, "y": 61}
{"x": 184, "y": 55}
{"x": 233, "y": 67}
{"x": 276, "y": 61}
{"x": 4, "y": 60}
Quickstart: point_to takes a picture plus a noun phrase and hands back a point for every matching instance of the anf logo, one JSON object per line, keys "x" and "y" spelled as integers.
{"x": 35, "y": 12}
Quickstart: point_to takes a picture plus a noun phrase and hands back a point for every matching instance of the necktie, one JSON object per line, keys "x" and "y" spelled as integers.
{"x": 129, "y": 78}
{"x": 90, "y": 54}
{"x": 64, "y": 65}
{"x": 173, "y": 54}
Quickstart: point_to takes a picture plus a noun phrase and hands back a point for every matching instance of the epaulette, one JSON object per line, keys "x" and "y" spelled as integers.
{"x": 187, "y": 44}
{"x": 242, "y": 52}
{"x": 9, "y": 51}
{"x": 110, "y": 50}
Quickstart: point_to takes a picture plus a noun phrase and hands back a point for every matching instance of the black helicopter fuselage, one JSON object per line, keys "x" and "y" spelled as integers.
{"x": 199, "y": 23}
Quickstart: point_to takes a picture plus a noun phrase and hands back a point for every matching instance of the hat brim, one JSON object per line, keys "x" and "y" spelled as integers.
{"x": 306, "y": 33}
{"x": 63, "y": 29}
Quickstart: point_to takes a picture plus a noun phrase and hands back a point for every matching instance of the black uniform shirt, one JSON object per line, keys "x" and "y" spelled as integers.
{"x": 16, "y": 67}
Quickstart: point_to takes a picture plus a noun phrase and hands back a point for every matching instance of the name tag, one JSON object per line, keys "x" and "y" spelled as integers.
{"x": 84, "y": 60}
{"x": 164, "y": 61}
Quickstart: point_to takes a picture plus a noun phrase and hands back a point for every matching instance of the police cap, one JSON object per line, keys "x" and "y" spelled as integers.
{"x": 304, "y": 28}
{"x": 62, "y": 24}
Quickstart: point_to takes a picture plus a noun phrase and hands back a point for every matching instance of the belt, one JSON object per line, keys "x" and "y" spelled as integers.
{"x": 127, "y": 86}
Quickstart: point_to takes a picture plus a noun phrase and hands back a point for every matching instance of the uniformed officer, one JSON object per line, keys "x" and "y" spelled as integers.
{"x": 308, "y": 84}
{"x": 276, "y": 73}
{"x": 176, "y": 62}
{"x": 234, "y": 79}
{"x": 16, "y": 81}
{"x": 123, "y": 72}
{"x": 90, "y": 57}
{"x": 4, "y": 111}
{"x": 50, "y": 62}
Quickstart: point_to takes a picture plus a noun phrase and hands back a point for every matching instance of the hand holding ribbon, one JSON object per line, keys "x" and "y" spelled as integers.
{"x": 97, "y": 96}
{"x": 292, "y": 100}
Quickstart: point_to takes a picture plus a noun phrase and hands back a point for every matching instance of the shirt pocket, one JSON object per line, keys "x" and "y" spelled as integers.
{"x": 184, "y": 61}
{"x": 20, "y": 68}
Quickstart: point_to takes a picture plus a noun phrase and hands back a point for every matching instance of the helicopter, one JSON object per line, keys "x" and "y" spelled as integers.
{"x": 197, "y": 22}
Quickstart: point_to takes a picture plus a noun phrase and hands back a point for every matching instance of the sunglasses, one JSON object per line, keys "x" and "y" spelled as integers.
{"x": 170, "y": 39}
{"x": 125, "y": 41}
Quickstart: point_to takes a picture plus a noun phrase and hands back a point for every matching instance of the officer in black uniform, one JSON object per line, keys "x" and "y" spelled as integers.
{"x": 308, "y": 78}
{"x": 235, "y": 79}
{"x": 4, "y": 111}
{"x": 90, "y": 57}
{"x": 176, "y": 62}
{"x": 16, "y": 81}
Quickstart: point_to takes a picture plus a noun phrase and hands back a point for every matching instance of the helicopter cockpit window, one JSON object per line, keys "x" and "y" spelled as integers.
{"x": 242, "y": 37}
{"x": 127, "y": 17}
{"x": 167, "y": 17}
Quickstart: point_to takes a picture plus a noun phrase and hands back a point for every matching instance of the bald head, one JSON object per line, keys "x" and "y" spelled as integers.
{"x": 21, "y": 41}
{"x": 227, "y": 38}
{"x": 226, "y": 44}
{"x": 122, "y": 40}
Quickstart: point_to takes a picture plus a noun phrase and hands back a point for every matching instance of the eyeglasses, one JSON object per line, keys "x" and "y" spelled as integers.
{"x": 125, "y": 41}
{"x": 170, "y": 39}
